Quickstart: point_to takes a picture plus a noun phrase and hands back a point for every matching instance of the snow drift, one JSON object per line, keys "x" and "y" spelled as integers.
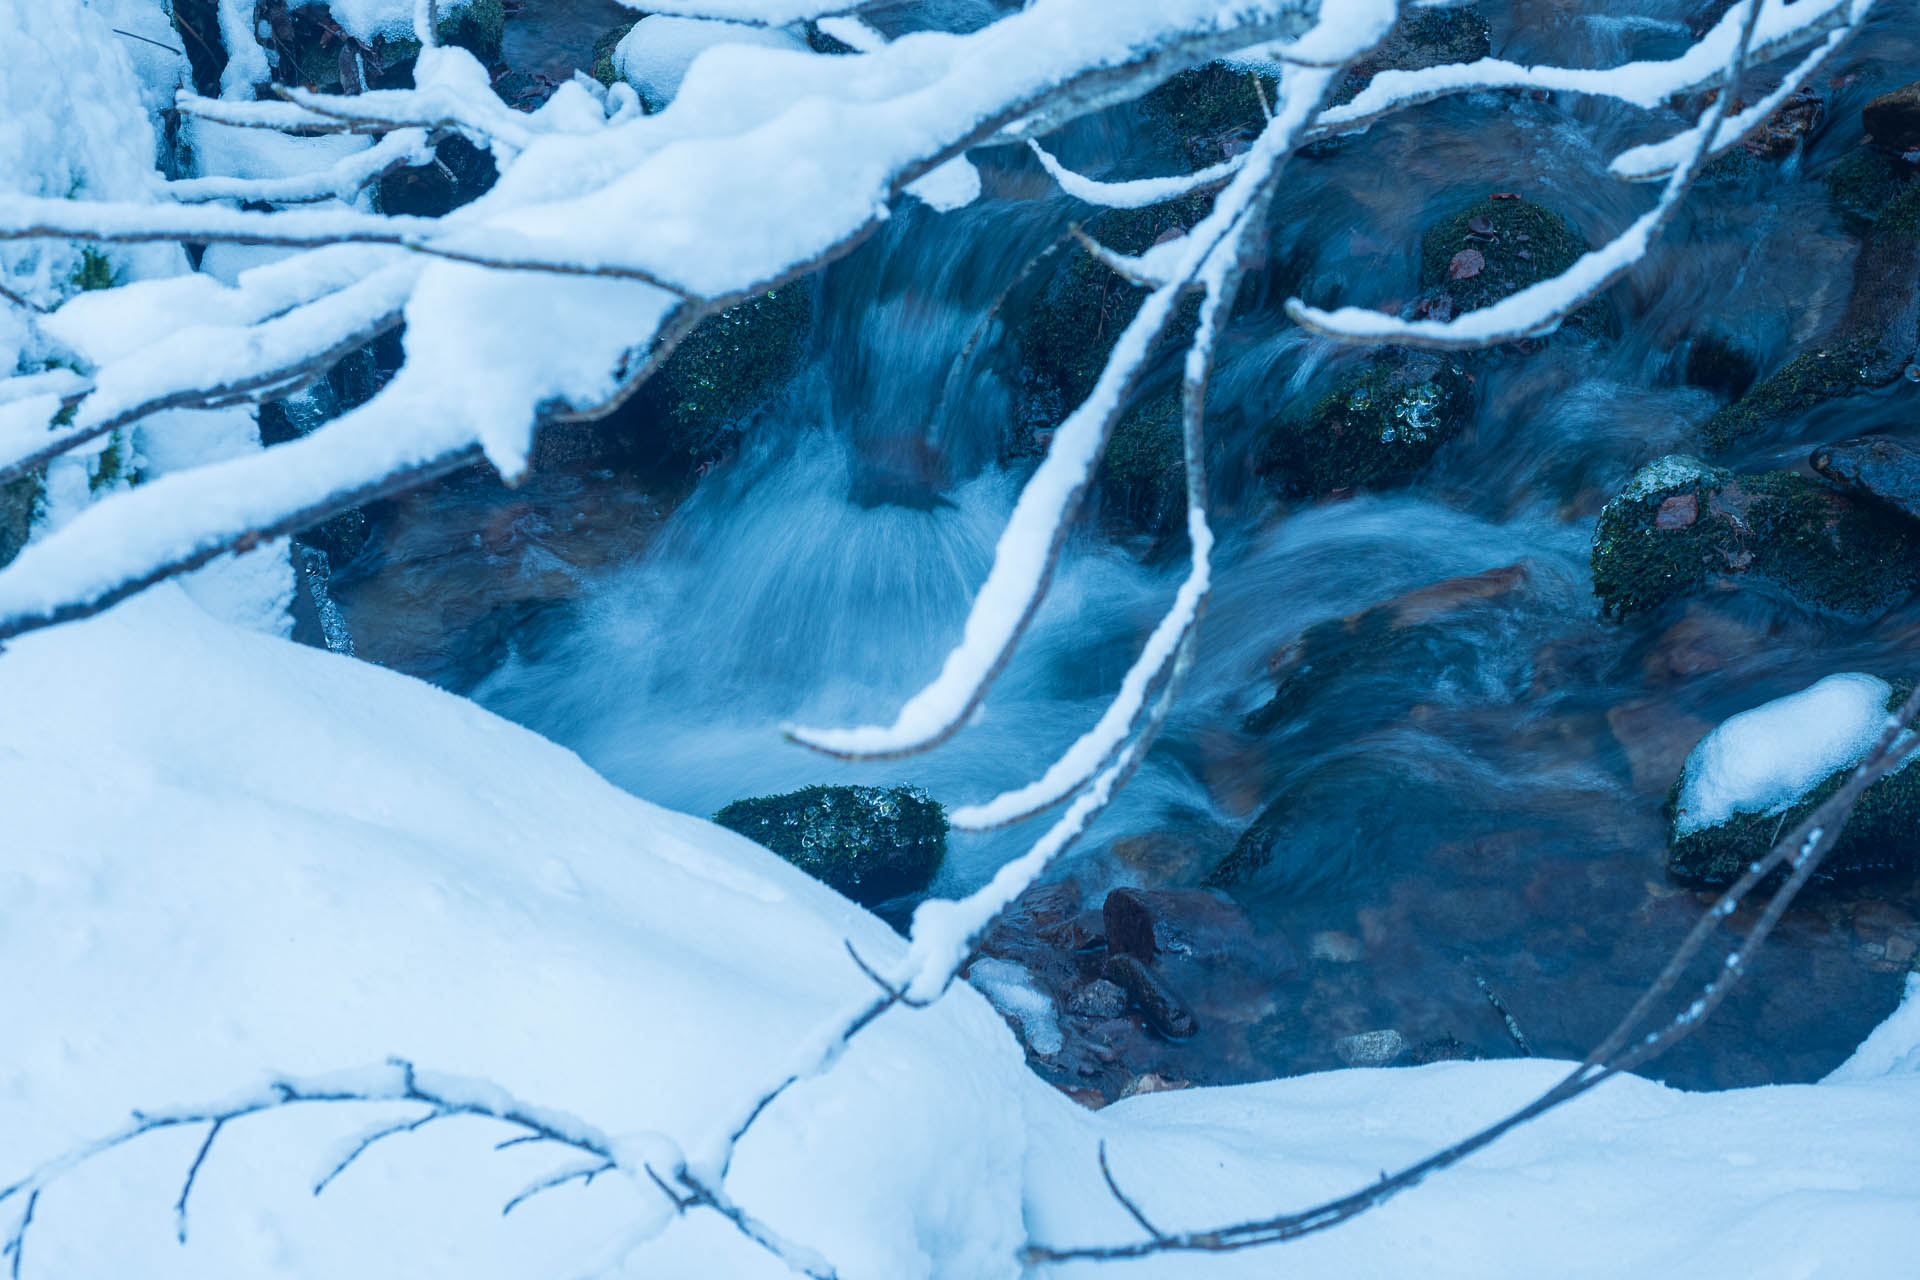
{"x": 228, "y": 856}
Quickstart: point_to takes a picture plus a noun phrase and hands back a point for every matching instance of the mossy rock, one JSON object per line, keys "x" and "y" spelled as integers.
{"x": 1519, "y": 244}
{"x": 1866, "y": 182}
{"x": 603, "y": 69}
{"x": 93, "y": 272}
{"x": 1875, "y": 338}
{"x": 1143, "y": 474}
{"x": 1680, "y": 524}
{"x": 462, "y": 175}
{"x": 872, "y": 844}
{"x": 18, "y": 499}
{"x": 1809, "y": 379}
{"x": 479, "y": 27}
{"x": 727, "y": 368}
{"x": 1883, "y": 833}
{"x": 1422, "y": 38}
{"x": 1380, "y": 424}
{"x": 1207, "y": 110}
{"x": 1071, "y": 328}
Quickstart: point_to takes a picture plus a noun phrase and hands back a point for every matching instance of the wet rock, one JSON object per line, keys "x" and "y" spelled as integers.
{"x": 1067, "y": 331}
{"x": 603, "y": 47}
{"x": 1162, "y": 1008}
{"x": 1877, "y": 466}
{"x": 1446, "y": 1048}
{"x": 1517, "y": 243}
{"x": 1882, "y": 834}
{"x": 461, "y": 174}
{"x": 1207, "y": 113}
{"x": 1874, "y": 340}
{"x": 694, "y": 409}
{"x": 1329, "y": 652}
{"x": 1825, "y": 549}
{"x": 1098, "y": 999}
{"x": 1655, "y": 739}
{"x": 870, "y": 843}
{"x": 1892, "y": 120}
{"x": 1335, "y": 947}
{"x": 1129, "y": 924}
{"x": 1143, "y": 474}
{"x": 1382, "y": 423}
{"x": 1161, "y": 856}
{"x": 1422, "y": 38}
{"x": 1370, "y": 1048}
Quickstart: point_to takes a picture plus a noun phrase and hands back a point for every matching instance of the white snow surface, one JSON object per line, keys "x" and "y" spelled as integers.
{"x": 655, "y": 55}
{"x": 1764, "y": 760}
{"x": 230, "y": 858}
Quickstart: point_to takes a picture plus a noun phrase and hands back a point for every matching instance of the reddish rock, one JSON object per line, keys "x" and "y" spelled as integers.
{"x": 1129, "y": 924}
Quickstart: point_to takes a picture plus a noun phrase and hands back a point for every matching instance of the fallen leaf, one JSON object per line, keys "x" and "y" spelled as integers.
{"x": 1466, "y": 264}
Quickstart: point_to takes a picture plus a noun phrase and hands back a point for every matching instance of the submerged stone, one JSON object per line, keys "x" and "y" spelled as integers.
{"x": 1782, "y": 747}
{"x": 1371, "y": 1048}
{"x": 1378, "y": 425}
{"x": 1158, "y": 1003}
{"x": 870, "y": 843}
{"x": 1826, "y": 549}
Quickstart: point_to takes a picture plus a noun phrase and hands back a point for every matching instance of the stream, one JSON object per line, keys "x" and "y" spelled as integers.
{"x": 1474, "y": 803}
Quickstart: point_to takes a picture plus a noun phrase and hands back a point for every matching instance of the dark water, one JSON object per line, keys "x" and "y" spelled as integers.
{"x": 1480, "y": 795}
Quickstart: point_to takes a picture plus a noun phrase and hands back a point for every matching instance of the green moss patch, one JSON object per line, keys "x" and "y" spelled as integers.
{"x": 870, "y": 843}
{"x": 1498, "y": 246}
{"x": 1680, "y": 524}
{"x": 728, "y": 368}
{"x": 1381, "y": 424}
{"x": 603, "y": 69}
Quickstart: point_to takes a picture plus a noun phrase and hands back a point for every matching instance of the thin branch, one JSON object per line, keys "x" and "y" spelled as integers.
{"x": 1126, "y": 1202}
{"x": 193, "y": 1172}
{"x": 388, "y": 1131}
{"x": 584, "y": 1175}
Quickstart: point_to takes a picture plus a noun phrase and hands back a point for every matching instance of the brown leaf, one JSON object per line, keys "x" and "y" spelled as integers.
{"x": 1465, "y": 265}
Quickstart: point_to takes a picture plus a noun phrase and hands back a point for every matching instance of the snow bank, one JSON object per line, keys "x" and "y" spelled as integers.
{"x": 1764, "y": 760}
{"x": 228, "y": 856}
{"x": 655, "y": 55}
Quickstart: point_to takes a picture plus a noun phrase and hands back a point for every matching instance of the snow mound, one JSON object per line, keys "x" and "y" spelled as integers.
{"x": 655, "y": 55}
{"x": 1764, "y": 760}
{"x": 229, "y": 857}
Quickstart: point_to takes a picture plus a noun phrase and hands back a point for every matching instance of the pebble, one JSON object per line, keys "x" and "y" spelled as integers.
{"x": 1335, "y": 946}
{"x": 1098, "y": 999}
{"x": 1370, "y": 1048}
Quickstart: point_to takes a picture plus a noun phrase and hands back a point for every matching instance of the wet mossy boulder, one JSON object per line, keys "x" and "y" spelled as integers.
{"x": 1496, "y": 247}
{"x": 1143, "y": 475}
{"x": 1380, "y": 424}
{"x": 727, "y": 369}
{"x": 1072, "y": 325}
{"x": 1882, "y": 834}
{"x": 1208, "y": 113}
{"x": 1874, "y": 341}
{"x": 1680, "y": 524}
{"x": 872, "y": 844}
{"x": 603, "y": 68}
{"x": 1892, "y": 119}
{"x": 1422, "y": 38}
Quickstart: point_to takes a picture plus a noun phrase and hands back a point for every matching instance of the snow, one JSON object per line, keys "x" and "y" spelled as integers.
{"x": 232, "y": 859}
{"x": 655, "y": 55}
{"x": 1765, "y": 760}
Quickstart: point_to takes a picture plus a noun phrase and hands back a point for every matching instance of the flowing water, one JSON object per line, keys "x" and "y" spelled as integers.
{"x": 1479, "y": 796}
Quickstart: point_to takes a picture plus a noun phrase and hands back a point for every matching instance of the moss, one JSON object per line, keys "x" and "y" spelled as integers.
{"x": 479, "y": 27}
{"x": 94, "y": 271}
{"x": 728, "y": 367}
{"x": 1422, "y": 38}
{"x": 1382, "y": 423}
{"x": 1205, "y": 107}
{"x": 1809, "y": 379}
{"x": 1882, "y": 834}
{"x": 1866, "y": 181}
{"x": 870, "y": 843}
{"x": 1823, "y": 548}
{"x": 112, "y": 465}
{"x": 1143, "y": 475}
{"x": 19, "y": 500}
{"x": 603, "y": 48}
{"x": 1521, "y": 244}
